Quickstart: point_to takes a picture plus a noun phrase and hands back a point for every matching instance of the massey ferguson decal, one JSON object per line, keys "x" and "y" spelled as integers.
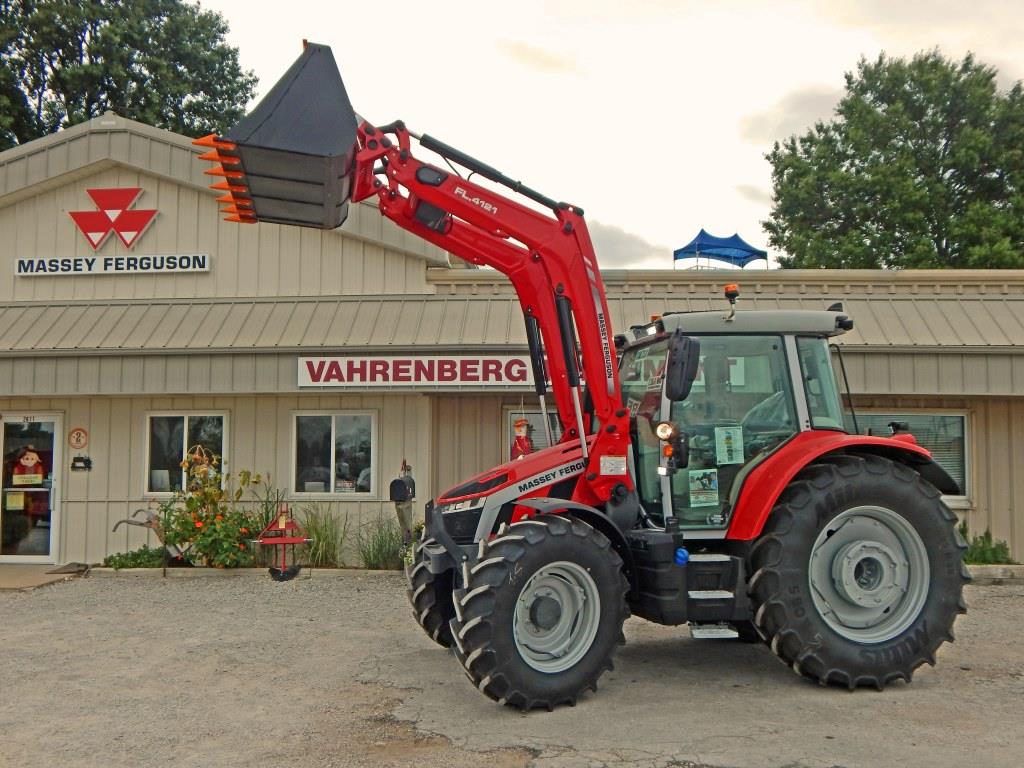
{"x": 547, "y": 478}
{"x": 413, "y": 371}
{"x": 113, "y": 215}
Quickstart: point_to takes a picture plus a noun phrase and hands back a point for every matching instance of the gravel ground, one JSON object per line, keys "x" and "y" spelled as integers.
{"x": 331, "y": 671}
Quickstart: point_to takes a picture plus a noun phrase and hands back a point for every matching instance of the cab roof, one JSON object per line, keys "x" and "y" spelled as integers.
{"x": 781, "y": 321}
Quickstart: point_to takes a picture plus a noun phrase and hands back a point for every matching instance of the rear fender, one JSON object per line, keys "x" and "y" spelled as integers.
{"x": 595, "y": 518}
{"x": 766, "y": 482}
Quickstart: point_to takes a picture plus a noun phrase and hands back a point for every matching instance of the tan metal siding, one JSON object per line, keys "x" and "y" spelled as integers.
{"x": 259, "y": 438}
{"x": 259, "y": 260}
{"x": 995, "y": 459}
{"x": 467, "y": 437}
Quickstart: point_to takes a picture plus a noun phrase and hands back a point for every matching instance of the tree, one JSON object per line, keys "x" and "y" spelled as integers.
{"x": 922, "y": 167}
{"x": 162, "y": 62}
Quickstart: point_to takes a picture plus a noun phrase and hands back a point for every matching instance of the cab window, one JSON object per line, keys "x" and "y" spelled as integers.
{"x": 740, "y": 408}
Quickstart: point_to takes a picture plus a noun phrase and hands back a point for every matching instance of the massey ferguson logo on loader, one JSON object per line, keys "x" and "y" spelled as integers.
{"x": 566, "y": 470}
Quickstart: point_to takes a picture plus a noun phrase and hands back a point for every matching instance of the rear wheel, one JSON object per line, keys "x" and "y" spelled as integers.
{"x": 540, "y": 614}
{"x": 858, "y": 576}
{"x": 430, "y": 595}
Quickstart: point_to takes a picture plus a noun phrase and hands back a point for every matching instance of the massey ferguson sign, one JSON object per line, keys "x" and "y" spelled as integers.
{"x": 423, "y": 372}
{"x": 113, "y": 213}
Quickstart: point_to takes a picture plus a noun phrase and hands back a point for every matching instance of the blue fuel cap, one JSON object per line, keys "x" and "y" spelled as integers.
{"x": 682, "y": 556}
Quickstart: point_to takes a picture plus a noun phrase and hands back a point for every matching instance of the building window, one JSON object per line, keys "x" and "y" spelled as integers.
{"x": 335, "y": 453}
{"x": 531, "y": 422}
{"x": 169, "y": 437}
{"x": 944, "y": 434}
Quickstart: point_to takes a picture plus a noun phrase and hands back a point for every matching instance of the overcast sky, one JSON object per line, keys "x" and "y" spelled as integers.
{"x": 652, "y": 115}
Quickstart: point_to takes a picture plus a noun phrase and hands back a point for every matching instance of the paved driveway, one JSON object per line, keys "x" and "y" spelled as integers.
{"x": 242, "y": 671}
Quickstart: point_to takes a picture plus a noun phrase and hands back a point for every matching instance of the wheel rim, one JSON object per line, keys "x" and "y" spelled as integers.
{"x": 869, "y": 574}
{"x": 556, "y": 617}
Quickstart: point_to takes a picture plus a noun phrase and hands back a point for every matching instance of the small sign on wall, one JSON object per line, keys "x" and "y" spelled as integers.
{"x": 78, "y": 438}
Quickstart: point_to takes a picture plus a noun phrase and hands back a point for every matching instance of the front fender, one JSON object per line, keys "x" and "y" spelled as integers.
{"x": 764, "y": 484}
{"x": 595, "y": 518}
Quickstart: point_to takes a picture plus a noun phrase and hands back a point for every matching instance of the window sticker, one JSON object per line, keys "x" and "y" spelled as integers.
{"x": 729, "y": 445}
{"x": 703, "y": 487}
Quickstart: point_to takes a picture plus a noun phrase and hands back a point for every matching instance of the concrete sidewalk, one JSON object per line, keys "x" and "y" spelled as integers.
{"x": 30, "y": 576}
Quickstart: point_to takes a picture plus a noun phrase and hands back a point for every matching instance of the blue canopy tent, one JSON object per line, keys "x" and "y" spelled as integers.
{"x": 732, "y": 250}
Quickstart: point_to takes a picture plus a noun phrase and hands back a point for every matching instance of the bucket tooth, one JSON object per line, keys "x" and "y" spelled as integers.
{"x": 225, "y": 173}
{"x": 233, "y": 188}
{"x": 214, "y": 156}
{"x": 213, "y": 141}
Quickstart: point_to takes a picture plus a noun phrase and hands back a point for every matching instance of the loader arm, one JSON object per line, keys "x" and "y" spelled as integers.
{"x": 549, "y": 260}
{"x": 548, "y": 257}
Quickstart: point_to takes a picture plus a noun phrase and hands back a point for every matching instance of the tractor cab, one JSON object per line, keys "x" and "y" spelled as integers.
{"x": 714, "y": 394}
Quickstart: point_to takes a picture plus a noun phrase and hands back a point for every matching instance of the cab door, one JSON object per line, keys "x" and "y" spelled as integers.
{"x": 739, "y": 409}
{"x": 29, "y": 504}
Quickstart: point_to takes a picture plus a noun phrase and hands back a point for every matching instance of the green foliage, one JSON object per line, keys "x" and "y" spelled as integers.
{"x": 204, "y": 518}
{"x": 328, "y": 531}
{"x": 922, "y": 167}
{"x": 162, "y": 62}
{"x": 380, "y": 544}
{"x": 144, "y": 557}
{"x": 266, "y": 497}
{"x": 408, "y": 551}
{"x": 982, "y": 550}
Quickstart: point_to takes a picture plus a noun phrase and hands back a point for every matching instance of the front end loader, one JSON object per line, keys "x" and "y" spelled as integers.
{"x": 702, "y": 473}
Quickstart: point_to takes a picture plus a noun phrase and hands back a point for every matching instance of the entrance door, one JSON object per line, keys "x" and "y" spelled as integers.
{"x": 29, "y": 507}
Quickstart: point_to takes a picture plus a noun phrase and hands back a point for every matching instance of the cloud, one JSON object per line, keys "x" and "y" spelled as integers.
{"x": 992, "y": 29}
{"x": 532, "y": 57}
{"x": 618, "y": 249}
{"x": 754, "y": 193}
{"x": 793, "y": 114}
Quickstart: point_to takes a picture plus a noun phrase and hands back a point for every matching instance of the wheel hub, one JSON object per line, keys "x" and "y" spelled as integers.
{"x": 545, "y": 612}
{"x": 868, "y": 574}
{"x": 556, "y": 617}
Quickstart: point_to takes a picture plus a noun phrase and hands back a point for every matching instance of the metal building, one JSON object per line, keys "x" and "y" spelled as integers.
{"x": 134, "y": 323}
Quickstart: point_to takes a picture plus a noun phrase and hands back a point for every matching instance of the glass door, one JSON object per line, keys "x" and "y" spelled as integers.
{"x": 28, "y": 507}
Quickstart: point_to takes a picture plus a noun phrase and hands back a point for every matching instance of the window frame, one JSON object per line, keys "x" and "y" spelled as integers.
{"x": 374, "y": 493}
{"x": 964, "y": 500}
{"x": 836, "y": 388}
{"x": 225, "y": 421}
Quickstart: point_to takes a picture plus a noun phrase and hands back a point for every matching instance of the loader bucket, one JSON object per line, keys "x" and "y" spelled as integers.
{"x": 291, "y": 160}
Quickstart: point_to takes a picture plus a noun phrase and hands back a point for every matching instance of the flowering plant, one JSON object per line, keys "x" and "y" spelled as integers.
{"x": 203, "y": 518}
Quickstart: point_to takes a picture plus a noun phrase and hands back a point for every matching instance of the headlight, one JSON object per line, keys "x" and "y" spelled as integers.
{"x": 665, "y": 430}
{"x": 461, "y": 506}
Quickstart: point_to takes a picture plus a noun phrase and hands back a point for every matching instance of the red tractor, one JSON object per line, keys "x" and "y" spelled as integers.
{"x": 702, "y": 473}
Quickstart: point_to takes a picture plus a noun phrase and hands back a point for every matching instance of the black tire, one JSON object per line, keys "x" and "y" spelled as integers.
{"x": 785, "y": 610}
{"x": 484, "y": 626}
{"x": 430, "y": 595}
{"x": 747, "y": 632}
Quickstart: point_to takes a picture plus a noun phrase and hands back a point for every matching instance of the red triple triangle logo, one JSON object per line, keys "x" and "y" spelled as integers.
{"x": 113, "y": 216}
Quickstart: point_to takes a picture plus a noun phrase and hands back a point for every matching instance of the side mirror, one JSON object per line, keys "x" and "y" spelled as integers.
{"x": 681, "y": 369}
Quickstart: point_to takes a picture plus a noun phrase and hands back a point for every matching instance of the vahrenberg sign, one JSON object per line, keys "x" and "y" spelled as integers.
{"x": 489, "y": 371}
{"x": 113, "y": 265}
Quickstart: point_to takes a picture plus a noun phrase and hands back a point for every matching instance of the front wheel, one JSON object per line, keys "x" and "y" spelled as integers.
{"x": 430, "y": 596}
{"x": 540, "y": 615}
{"x": 858, "y": 575}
